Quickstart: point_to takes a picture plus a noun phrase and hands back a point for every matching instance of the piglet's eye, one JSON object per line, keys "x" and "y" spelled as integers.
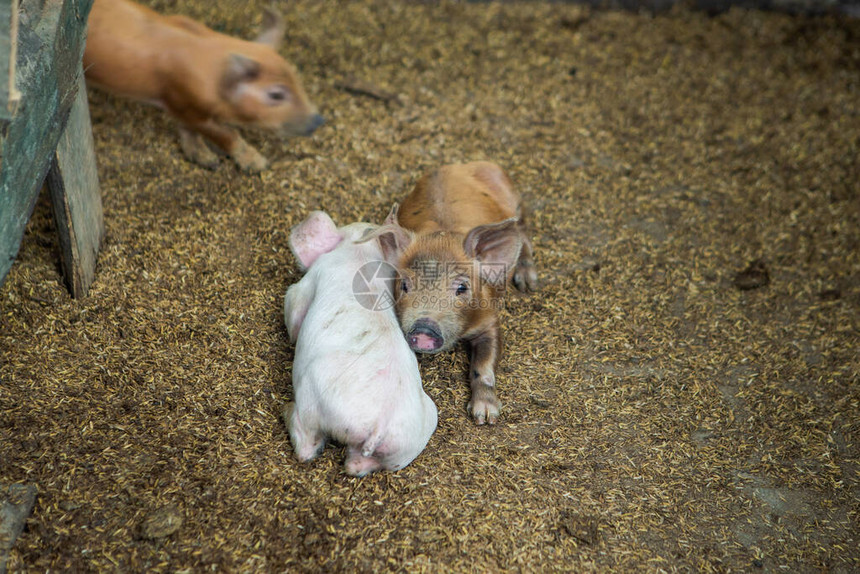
{"x": 462, "y": 288}
{"x": 278, "y": 94}
{"x": 404, "y": 286}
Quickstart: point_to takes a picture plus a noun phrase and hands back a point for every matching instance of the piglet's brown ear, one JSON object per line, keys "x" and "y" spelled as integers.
{"x": 496, "y": 247}
{"x": 238, "y": 69}
{"x": 272, "y": 31}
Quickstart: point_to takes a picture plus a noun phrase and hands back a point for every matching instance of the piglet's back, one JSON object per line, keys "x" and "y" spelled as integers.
{"x": 457, "y": 197}
{"x": 346, "y": 343}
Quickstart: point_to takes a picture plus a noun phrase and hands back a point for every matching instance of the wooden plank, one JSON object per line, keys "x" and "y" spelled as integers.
{"x": 50, "y": 47}
{"x": 74, "y": 185}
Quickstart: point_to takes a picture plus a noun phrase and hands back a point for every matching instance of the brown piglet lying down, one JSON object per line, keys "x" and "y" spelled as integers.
{"x": 206, "y": 80}
{"x": 456, "y": 241}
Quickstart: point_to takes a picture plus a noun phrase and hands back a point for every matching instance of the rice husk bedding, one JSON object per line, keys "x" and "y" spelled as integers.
{"x": 662, "y": 411}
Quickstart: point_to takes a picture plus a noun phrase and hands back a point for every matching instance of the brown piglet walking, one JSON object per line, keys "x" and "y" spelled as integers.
{"x": 206, "y": 80}
{"x": 456, "y": 241}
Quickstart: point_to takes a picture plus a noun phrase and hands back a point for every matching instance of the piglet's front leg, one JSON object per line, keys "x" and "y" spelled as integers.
{"x": 244, "y": 154}
{"x": 485, "y": 406}
{"x": 247, "y": 157}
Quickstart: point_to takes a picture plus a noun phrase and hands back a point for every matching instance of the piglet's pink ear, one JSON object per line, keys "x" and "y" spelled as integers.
{"x": 312, "y": 237}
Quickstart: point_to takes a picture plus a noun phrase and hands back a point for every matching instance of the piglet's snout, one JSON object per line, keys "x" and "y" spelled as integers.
{"x": 425, "y": 336}
{"x": 313, "y": 123}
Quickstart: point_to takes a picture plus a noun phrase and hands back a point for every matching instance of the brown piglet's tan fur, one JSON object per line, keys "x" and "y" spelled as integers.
{"x": 457, "y": 240}
{"x": 210, "y": 82}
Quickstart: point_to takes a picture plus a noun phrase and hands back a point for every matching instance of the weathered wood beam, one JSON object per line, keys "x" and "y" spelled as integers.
{"x": 74, "y": 186}
{"x": 49, "y": 50}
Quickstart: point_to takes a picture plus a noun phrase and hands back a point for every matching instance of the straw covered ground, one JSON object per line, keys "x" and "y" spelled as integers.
{"x": 662, "y": 409}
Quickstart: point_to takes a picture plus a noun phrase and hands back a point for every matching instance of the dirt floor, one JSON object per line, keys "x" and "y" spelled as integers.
{"x": 657, "y": 417}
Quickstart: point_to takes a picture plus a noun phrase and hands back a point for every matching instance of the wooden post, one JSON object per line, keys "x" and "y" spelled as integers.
{"x": 40, "y": 81}
{"x": 74, "y": 186}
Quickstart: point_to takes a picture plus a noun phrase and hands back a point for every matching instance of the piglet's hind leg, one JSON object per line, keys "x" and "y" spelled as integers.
{"x": 307, "y": 444}
{"x": 195, "y": 149}
{"x": 525, "y": 276}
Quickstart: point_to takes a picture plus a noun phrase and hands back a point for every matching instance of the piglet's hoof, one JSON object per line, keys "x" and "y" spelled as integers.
{"x": 196, "y": 150}
{"x": 525, "y": 278}
{"x": 250, "y": 160}
{"x": 210, "y": 162}
{"x": 256, "y": 165}
{"x": 485, "y": 410}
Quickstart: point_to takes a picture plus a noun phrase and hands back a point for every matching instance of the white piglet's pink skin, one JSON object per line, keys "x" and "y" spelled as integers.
{"x": 355, "y": 380}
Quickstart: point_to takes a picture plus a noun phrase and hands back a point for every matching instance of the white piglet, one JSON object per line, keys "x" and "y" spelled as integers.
{"x": 355, "y": 380}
